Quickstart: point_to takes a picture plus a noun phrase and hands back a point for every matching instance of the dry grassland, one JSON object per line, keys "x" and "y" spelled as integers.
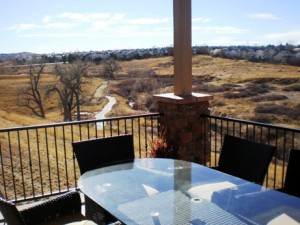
{"x": 231, "y": 82}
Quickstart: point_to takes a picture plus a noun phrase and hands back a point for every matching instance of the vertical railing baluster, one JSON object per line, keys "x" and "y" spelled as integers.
{"x": 56, "y": 155}
{"x": 12, "y": 165}
{"x": 39, "y": 160}
{"x": 103, "y": 130}
{"x": 30, "y": 162}
{"x": 254, "y": 133}
{"x": 210, "y": 136}
{"x": 283, "y": 158}
{"x": 247, "y": 131}
{"x": 73, "y": 155}
{"x": 3, "y": 172}
{"x": 96, "y": 129}
{"x": 139, "y": 136}
{"x": 111, "y": 128}
{"x": 48, "y": 159}
{"x": 221, "y": 131}
{"x": 80, "y": 133}
{"x": 88, "y": 131}
{"x": 21, "y": 162}
{"x": 65, "y": 156}
{"x": 146, "y": 136}
{"x": 152, "y": 128}
{"x": 227, "y": 127}
{"x": 233, "y": 128}
{"x": 132, "y": 132}
{"x": 216, "y": 140}
{"x": 293, "y": 140}
{"x": 118, "y": 127}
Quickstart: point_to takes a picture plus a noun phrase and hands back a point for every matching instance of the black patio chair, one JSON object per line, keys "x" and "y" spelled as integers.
{"x": 96, "y": 153}
{"x": 291, "y": 184}
{"x": 63, "y": 209}
{"x": 245, "y": 159}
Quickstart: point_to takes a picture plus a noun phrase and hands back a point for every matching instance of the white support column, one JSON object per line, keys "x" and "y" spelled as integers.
{"x": 182, "y": 47}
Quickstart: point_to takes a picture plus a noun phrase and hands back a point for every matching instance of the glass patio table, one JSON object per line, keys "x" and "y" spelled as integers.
{"x": 167, "y": 191}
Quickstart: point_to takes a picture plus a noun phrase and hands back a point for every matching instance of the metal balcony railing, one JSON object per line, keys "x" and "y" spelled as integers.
{"x": 282, "y": 137}
{"x": 38, "y": 161}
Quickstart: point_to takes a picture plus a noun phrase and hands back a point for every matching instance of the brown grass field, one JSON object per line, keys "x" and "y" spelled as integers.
{"x": 238, "y": 87}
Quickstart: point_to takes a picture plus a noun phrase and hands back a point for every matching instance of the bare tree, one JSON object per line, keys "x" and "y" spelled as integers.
{"x": 110, "y": 66}
{"x": 30, "y": 96}
{"x": 69, "y": 87}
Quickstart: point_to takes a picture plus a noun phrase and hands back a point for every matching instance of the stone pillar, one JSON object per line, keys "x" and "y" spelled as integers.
{"x": 184, "y": 128}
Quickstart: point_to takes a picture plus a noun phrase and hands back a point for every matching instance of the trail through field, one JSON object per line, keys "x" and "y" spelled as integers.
{"x": 102, "y": 90}
{"x": 111, "y": 102}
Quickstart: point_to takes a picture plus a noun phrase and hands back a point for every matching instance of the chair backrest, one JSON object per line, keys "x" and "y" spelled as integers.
{"x": 246, "y": 159}
{"x": 291, "y": 185}
{"x": 95, "y": 153}
{"x": 10, "y": 213}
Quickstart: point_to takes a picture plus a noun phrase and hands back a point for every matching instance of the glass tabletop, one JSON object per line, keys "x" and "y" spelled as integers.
{"x": 167, "y": 191}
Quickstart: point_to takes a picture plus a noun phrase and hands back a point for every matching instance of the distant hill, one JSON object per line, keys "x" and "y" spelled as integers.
{"x": 282, "y": 54}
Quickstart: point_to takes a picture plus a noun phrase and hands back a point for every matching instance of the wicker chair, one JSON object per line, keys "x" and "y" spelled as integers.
{"x": 245, "y": 159}
{"x": 291, "y": 184}
{"x": 63, "y": 209}
{"x": 96, "y": 153}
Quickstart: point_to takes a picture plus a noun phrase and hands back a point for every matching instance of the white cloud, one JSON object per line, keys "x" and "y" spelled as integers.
{"x": 264, "y": 16}
{"x": 47, "y": 19}
{"x": 117, "y": 16}
{"x": 62, "y": 25}
{"x": 149, "y": 20}
{"x": 223, "y": 30}
{"x": 28, "y": 26}
{"x": 84, "y": 17}
{"x": 100, "y": 26}
{"x": 285, "y": 36}
{"x": 60, "y": 35}
{"x": 204, "y": 20}
{"x": 24, "y": 26}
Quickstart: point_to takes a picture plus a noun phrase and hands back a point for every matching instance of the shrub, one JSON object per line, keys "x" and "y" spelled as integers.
{"x": 269, "y": 98}
{"x": 142, "y": 73}
{"x": 286, "y": 81}
{"x": 153, "y": 107}
{"x": 272, "y": 109}
{"x": 159, "y": 148}
{"x": 248, "y": 91}
{"x": 262, "y": 118}
{"x": 295, "y": 87}
{"x": 279, "y": 110}
{"x": 241, "y": 94}
{"x": 209, "y": 88}
{"x": 218, "y": 104}
{"x": 262, "y": 80}
{"x": 261, "y": 88}
{"x": 148, "y": 101}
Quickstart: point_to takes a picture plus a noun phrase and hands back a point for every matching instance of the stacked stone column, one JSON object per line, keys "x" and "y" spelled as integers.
{"x": 184, "y": 128}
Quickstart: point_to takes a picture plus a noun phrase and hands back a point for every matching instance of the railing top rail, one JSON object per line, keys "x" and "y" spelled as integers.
{"x": 253, "y": 123}
{"x": 77, "y": 122}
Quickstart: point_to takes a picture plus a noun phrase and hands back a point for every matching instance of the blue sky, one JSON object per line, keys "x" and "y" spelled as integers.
{"x": 55, "y": 26}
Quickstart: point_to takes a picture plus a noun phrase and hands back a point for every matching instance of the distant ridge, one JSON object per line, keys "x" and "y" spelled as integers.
{"x": 286, "y": 54}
